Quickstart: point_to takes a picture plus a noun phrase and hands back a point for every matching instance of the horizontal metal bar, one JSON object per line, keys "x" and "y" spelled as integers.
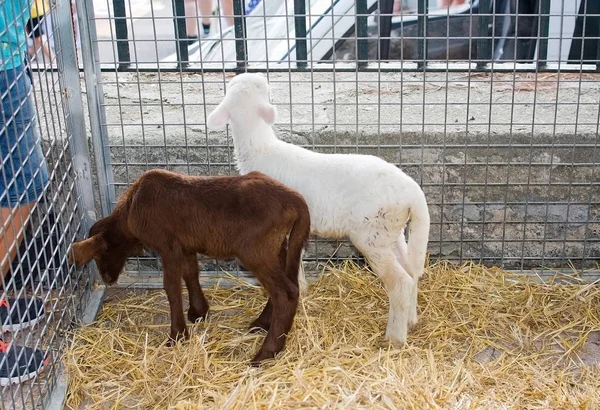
{"x": 383, "y": 67}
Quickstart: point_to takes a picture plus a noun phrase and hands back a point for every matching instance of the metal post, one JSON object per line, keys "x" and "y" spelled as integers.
{"x": 239, "y": 23}
{"x": 300, "y": 28}
{"x": 544, "y": 33}
{"x": 120, "y": 17}
{"x": 484, "y": 49}
{"x": 362, "y": 46}
{"x": 422, "y": 10}
{"x": 180, "y": 33}
{"x": 73, "y": 104}
{"x": 598, "y": 51}
{"x": 95, "y": 100}
{"x": 386, "y": 7}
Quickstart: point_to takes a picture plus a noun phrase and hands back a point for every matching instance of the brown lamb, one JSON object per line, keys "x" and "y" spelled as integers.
{"x": 252, "y": 217}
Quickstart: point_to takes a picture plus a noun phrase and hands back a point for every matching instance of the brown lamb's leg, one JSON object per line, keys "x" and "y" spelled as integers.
{"x": 283, "y": 295}
{"x": 198, "y": 303}
{"x": 172, "y": 285}
{"x": 263, "y": 322}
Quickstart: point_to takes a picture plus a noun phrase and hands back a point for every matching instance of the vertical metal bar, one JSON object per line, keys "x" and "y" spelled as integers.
{"x": 422, "y": 10}
{"x": 598, "y": 51}
{"x": 300, "y": 28}
{"x": 95, "y": 100}
{"x": 362, "y": 50}
{"x": 239, "y": 23}
{"x": 386, "y": 7}
{"x": 120, "y": 17}
{"x": 484, "y": 49}
{"x": 180, "y": 33}
{"x": 544, "y": 33}
{"x": 73, "y": 104}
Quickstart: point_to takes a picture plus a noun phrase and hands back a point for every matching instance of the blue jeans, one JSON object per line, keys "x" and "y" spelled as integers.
{"x": 23, "y": 170}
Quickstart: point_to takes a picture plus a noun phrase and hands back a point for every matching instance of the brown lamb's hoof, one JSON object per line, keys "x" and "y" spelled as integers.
{"x": 193, "y": 317}
{"x": 261, "y": 357}
{"x": 179, "y": 337}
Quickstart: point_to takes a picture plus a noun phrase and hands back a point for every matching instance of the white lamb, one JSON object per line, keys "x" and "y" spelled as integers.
{"x": 360, "y": 197}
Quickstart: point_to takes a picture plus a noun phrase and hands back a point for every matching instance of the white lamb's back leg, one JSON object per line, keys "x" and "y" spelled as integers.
{"x": 402, "y": 257}
{"x": 398, "y": 283}
{"x": 302, "y": 283}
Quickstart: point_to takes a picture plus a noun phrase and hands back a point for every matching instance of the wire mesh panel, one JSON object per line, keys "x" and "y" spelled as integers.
{"x": 491, "y": 105}
{"x": 43, "y": 181}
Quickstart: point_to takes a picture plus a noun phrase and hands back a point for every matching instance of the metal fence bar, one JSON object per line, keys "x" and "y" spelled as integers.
{"x": 326, "y": 120}
{"x": 543, "y": 33}
{"x": 180, "y": 33}
{"x": 385, "y": 27}
{"x": 598, "y": 51}
{"x": 300, "y": 29}
{"x": 484, "y": 49}
{"x": 423, "y": 9}
{"x": 239, "y": 23}
{"x": 121, "y": 32}
{"x": 95, "y": 101}
{"x": 75, "y": 124}
{"x": 362, "y": 45}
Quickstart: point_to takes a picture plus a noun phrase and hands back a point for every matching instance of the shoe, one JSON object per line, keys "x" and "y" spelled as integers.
{"x": 20, "y": 313}
{"x": 19, "y": 363}
{"x": 205, "y": 30}
{"x": 189, "y": 40}
{"x": 251, "y": 6}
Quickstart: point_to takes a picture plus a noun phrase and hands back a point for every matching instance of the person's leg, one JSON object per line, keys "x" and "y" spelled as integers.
{"x": 32, "y": 31}
{"x": 191, "y": 18}
{"x": 206, "y": 8}
{"x": 195, "y": 9}
{"x": 23, "y": 178}
{"x": 227, "y": 11}
{"x": 14, "y": 221}
{"x": 37, "y": 28}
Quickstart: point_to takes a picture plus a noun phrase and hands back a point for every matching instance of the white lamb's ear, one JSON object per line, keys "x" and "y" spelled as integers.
{"x": 218, "y": 118}
{"x": 268, "y": 113}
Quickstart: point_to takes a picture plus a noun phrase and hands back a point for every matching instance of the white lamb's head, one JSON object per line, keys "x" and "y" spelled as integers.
{"x": 247, "y": 100}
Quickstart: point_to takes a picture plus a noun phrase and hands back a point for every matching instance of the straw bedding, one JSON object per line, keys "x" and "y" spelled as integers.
{"x": 486, "y": 339}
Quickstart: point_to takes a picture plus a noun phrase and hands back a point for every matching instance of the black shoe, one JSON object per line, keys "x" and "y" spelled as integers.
{"x": 20, "y": 313}
{"x": 19, "y": 363}
{"x": 190, "y": 40}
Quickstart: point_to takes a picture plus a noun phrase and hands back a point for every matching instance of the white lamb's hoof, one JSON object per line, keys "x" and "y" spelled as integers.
{"x": 303, "y": 287}
{"x": 413, "y": 318}
{"x": 398, "y": 338}
{"x": 387, "y": 342}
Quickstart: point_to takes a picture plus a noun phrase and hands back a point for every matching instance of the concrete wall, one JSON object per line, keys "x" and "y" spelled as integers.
{"x": 508, "y": 163}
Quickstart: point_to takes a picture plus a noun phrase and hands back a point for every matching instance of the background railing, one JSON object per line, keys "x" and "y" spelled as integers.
{"x": 491, "y": 24}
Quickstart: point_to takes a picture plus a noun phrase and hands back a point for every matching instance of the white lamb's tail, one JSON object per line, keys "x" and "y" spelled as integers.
{"x": 418, "y": 236}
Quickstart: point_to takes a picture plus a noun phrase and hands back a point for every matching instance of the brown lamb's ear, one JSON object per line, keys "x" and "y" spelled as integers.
{"x": 83, "y": 251}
